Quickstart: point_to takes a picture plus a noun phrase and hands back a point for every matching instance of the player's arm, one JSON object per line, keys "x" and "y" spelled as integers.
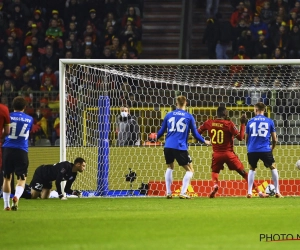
{"x": 195, "y": 132}
{"x": 6, "y": 129}
{"x": 274, "y": 140}
{"x": 202, "y": 128}
{"x": 58, "y": 181}
{"x": 240, "y": 136}
{"x": 163, "y": 128}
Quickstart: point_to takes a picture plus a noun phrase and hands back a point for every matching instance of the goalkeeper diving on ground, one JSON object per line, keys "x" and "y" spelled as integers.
{"x": 41, "y": 183}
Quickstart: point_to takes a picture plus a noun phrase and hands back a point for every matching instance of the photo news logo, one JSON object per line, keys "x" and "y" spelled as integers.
{"x": 278, "y": 237}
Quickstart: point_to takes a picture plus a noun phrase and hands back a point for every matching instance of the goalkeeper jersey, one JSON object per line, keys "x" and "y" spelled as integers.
{"x": 58, "y": 172}
{"x": 178, "y": 124}
{"x": 259, "y": 130}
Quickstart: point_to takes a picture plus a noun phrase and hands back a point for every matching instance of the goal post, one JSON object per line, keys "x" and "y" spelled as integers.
{"x": 92, "y": 92}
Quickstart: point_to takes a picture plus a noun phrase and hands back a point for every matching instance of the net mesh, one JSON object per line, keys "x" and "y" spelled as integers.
{"x": 150, "y": 92}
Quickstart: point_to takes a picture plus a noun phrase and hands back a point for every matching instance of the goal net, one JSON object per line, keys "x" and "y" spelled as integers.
{"x": 93, "y": 91}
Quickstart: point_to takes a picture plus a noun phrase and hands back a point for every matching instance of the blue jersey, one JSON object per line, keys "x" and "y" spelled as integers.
{"x": 179, "y": 123}
{"x": 259, "y": 130}
{"x": 20, "y": 126}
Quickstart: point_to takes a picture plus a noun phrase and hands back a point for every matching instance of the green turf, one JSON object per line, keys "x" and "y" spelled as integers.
{"x": 150, "y": 223}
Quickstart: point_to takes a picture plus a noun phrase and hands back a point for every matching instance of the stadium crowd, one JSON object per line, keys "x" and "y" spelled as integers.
{"x": 257, "y": 29}
{"x": 35, "y": 34}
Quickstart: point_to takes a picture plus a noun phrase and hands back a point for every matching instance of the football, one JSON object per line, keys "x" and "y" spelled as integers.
{"x": 298, "y": 164}
{"x": 270, "y": 190}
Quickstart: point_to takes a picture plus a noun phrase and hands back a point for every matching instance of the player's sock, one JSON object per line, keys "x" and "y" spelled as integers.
{"x": 214, "y": 177}
{"x": 6, "y": 198}
{"x": 275, "y": 180}
{"x": 186, "y": 181}
{"x": 169, "y": 179}
{"x": 19, "y": 191}
{"x": 251, "y": 176}
{"x": 245, "y": 176}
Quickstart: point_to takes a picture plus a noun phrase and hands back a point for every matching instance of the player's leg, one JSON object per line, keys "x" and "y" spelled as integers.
{"x": 46, "y": 190}
{"x": 45, "y": 193}
{"x": 183, "y": 158}
{"x": 252, "y": 160}
{"x": 269, "y": 162}
{"x": 234, "y": 163}
{"x": 6, "y": 190}
{"x": 21, "y": 168}
{"x": 7, "y": 176}
{"x": 169, "y": 172}
{"x": 216, "y": 167}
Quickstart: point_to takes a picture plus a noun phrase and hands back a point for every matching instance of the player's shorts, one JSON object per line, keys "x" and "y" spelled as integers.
{"x": 266, "y": 157}
{"x": 16, "y": 161}
{"x": 38, "y": 183}
{"x": 182, "y": 156}
{"x": 230, "y": 158}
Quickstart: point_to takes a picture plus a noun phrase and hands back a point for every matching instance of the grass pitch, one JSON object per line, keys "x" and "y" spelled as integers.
{"x": 150, "y": 223}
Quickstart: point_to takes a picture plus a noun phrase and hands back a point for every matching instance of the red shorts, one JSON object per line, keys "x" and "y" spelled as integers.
{"x": 230, "y": 158}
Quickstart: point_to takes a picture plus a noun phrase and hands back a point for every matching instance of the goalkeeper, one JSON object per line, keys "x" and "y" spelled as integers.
{"x": 41, "y": 183}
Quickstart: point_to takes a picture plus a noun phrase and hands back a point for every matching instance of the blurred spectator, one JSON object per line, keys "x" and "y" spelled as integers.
{"x": 49, "y": 59}
{"x": 212, "y": 7}
{"x": 72, "y": 30}
{"x": 34, "y": 32}
{"x": 274, "y": 26}
{"x": 18, "y": 15}
{"x": 3, "y": 15}
{"x": 23, "y": 8}
{"x": 4, "y": 100}
{"x": 129, "y": 36}
{"x": 294, "y": 20}
{"x": 29, "y": 59}
{"x": 293, "y": 46}
{"x": 40, "y": 126}
{"x": 34, "y": 77}
{"x": 123, "y": 52}
{"x": 209, "y": 38}
{"x": 266, "y": 14}
{"x": 17, "y": 76}
{"x": 236, "y": 16}
{"x": 237, "y": 31}
{"x": 75, "y": 45}
{"x": 38, "y": 20}
{"x": 34, "y": 43}
{"x": 7, "y": 76}
{"x": 13, "y": 28}
{"x": 94, "y": 21}
{"x": 109, "y": 35}
{"x": 47, "y": 84}
{"x": 296, "y": 7}
{"x": 107, "y": 54}
{"x": 278, "y": 54}
{"x": 60, "y": 22}
{"x": 88, "y": 44}
{"x": 54, "y": 30}
{"x": 281, "y": 39}
{"x": 259, "y": 5}
{"x": 241, "y": 53}
{"x": 72, "y": 8}
{"x": 115, "y": 47}
{"x": 10, "y": 59}
{"x": 133, "y": 18}
{"x": 88, "y": 54}
{"x": 223, "y": 36}
{"x": 282, "y": 13}
{"x": 7, "y": 89}
{"x": 69, "y": 55}
{"x": 113, "y": 22}
{"x": 10, "y": 43}
{"x": 90, "y": 32}
{"x": 263, "y": 47}
{"x": 257, "y": 26}
{"x": 49, "y": 74}
{"x": 248, "y": 42}
{"x": 275, "y": 5}
{"x": 27, "y": 84}
{"x": 56, "y": 43}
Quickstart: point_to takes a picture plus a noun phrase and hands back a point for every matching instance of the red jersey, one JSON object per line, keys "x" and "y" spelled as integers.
{"x": 222, "y": 133}
{"x": 4, "y": 118}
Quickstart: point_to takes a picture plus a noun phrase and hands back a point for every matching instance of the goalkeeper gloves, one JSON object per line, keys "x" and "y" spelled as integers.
{"x": 77, "y": 193}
